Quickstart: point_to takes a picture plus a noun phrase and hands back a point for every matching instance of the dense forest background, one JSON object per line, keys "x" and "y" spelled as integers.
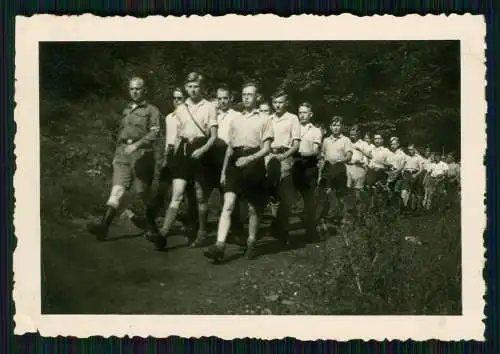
{"x": 409, "y": 88}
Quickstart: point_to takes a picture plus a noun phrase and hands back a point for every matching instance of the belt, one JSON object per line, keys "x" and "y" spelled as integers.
{"x": 411, "y": 170}
{"x": 245, "y": 149}
{"x": 279, "y": 150}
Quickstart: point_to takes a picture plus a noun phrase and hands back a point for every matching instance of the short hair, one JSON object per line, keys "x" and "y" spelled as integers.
{"x": 307, "y": 105}
{"x": 337, "y": 119}
{"x": 265, "y": 102}
{"x": 224, "y": 87}
{"x": 355, "y": 128}
{"x": 137, "y": 78}
{"x": 279, "y": 93}
{"x": 251, "y": 84}
{"x": 194, "y": 77}
{"x": 378, "y": 134}
{"x": 178, "y": 89}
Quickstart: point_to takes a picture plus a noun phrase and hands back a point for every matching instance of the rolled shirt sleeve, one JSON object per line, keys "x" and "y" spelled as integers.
{"x": 317, "y": 136}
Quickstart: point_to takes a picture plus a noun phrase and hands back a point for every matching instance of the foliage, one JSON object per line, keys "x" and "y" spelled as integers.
{"x": 406, "y": 87}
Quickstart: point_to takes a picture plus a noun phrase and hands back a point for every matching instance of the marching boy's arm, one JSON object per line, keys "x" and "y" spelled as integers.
{"x": 227, "y": 156}
{"x": 265, "y": 149}
{"x": 210, "y": 141}
{"x": 292, "y": 150}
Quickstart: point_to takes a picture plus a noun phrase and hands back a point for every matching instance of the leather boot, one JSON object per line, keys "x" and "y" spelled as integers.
{"x": 100, "y": 230}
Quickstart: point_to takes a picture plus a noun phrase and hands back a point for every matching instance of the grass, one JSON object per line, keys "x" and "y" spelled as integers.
{"x": 124, "y": 275}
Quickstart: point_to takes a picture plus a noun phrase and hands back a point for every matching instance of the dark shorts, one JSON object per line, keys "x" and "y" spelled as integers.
{"x": 418, "y": 185}
{"x": 247, "y": 182}
{"x": 205, "y": 170}
{"x": 375, "y": 176}
{"x": 137, "y": 168}
{"x": 452, "y": 185}
{"x": 336, "y": 176}
{"x": 166, "y": 171}
{"x": 305, "y": 173}
{"x": 407, "y": 181}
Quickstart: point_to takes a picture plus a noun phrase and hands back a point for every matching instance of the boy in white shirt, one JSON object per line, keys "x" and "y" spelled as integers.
{"x": 436, "y": 175}
{"x": 305, "y": 170}
{"x": 279, "y": 162}
{"x": 336, "y": 151}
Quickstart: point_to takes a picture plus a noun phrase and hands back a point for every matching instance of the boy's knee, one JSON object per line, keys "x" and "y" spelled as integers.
{"x": 115, "y": 196}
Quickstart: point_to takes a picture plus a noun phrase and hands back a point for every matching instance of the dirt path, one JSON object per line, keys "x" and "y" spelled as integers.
{"x": 124, "y": 274}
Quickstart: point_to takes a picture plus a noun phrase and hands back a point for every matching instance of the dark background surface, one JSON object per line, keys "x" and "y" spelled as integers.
{"x": 33, "y": 343}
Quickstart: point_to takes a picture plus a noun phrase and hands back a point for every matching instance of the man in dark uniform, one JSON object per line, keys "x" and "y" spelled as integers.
{"x": 133, "y": 162}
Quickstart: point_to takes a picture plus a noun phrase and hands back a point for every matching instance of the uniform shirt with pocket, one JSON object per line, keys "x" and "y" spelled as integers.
{"x": 140, "y": 123}
{"x": 335, "y": 149}
{"x": 250, "y": 130}
{"x": 203, "y": 112}
{"x": 309, "y": 135}
{"x": 286, "y": 129}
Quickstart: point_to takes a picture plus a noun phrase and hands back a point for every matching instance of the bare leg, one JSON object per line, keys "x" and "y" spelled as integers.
{"x": 178, "y": 188}
{"x": 230, "y": 200}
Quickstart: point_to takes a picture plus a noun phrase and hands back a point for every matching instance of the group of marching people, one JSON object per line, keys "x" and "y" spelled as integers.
{"x": 262, "y": 154}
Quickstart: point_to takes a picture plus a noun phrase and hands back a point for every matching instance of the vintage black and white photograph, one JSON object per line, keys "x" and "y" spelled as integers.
{"x": 251, "y": 177}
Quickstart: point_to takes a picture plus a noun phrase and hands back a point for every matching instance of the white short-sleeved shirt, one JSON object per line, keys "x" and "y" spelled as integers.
{"x": 426, "y": 164}
{"x": 380, "y": 156}
{"x": 360, "y": 156}
{"x": 171, "y": 126}
{"x": 438, "y": 169}
{"x": 335, "y": 149}
{"x": 397, "y": 158}
{"x": 309, "y": 135}
{"x": 250, "y": 130}
{"x": 224, "y": 121}
{"x": 286, "y": 129}
{"x": 205, "y": 114}
{"x": 453, "y": 169}
{"x": 413, "y": 163}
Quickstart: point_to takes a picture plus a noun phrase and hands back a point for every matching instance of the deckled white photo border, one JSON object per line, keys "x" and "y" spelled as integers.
{"x": 469, "y": 29}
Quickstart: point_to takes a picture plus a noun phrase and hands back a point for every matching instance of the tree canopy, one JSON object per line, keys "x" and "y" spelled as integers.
{"x": 408, "y": 88}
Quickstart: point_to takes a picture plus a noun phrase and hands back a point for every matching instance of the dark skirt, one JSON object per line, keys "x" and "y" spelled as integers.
{"x": 249, "y": 181}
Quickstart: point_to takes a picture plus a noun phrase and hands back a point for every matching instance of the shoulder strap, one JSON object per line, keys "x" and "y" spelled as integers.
{"x": 194, "y": 121}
